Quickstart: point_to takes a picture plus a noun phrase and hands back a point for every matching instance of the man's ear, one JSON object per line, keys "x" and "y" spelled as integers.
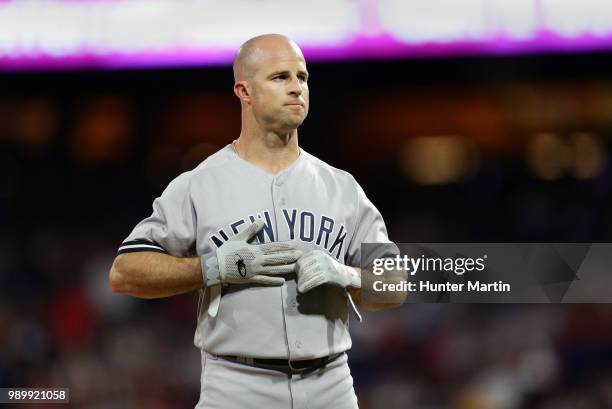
{"x": 242, "y": 91}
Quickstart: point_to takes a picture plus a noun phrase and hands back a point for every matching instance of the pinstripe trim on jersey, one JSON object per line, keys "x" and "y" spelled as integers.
{"x": 133, "y": 246}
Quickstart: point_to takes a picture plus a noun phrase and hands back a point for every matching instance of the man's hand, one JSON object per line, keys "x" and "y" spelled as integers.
{"x": 239, "y": 262}
{"x": 319, "y": 268}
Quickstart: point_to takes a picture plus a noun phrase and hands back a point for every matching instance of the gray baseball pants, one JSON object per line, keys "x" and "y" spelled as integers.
{"x": 232, "y": 385}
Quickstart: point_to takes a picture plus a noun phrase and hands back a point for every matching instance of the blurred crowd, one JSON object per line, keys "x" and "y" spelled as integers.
{"x": 83, "y": 155}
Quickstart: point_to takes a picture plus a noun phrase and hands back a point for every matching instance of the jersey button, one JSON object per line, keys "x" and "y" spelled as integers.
{"x": 282, "y": 202}
{"x": 298, "y": 344}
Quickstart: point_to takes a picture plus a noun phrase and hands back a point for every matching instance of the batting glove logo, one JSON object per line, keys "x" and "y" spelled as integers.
{"x": 242, "y": 270}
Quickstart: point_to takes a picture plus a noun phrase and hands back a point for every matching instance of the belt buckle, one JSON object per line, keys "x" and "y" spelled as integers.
{"x": 296, "y": 371}
{"x": 245, "y": 360}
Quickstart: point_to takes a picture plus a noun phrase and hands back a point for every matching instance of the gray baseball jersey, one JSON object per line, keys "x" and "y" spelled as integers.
{"x": 319, "y": 206}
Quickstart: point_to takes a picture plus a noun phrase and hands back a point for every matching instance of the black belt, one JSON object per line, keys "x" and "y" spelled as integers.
{"x": 284, "y": 365}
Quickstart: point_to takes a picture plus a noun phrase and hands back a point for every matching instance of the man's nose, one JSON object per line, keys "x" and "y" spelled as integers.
{"x": 295, "y": 87}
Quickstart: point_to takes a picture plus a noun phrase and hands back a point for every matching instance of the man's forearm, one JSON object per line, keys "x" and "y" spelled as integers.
{"x": 356, "y": 294}
{"x": 155, "y": 275}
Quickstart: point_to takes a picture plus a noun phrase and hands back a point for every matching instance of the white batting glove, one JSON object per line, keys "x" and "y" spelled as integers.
{"x": 239, "y": 262}
{"x": 318, "y": 268}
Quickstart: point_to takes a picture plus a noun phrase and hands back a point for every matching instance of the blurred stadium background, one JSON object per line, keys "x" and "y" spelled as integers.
{"x": 464, "y": 120}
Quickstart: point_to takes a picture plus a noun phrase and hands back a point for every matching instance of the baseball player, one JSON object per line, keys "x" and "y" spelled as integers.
{"x": 269, "y": 235}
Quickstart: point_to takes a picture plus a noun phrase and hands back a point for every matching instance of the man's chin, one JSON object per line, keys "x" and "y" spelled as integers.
{"x": 291, "y": 125}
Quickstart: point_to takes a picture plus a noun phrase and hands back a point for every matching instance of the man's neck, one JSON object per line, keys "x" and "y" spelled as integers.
{"x": 270, "y": 151}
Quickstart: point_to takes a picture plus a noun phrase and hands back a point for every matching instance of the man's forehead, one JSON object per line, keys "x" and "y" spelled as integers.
{"x": 284, "y": 53}
{"x": 272, "y": 62}
{"x": 285, "y": 61}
